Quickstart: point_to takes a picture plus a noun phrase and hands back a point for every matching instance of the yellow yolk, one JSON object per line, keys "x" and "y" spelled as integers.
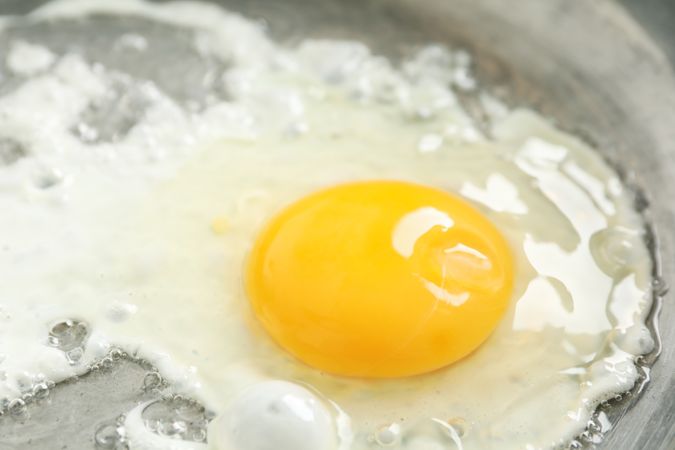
{"x": 380, "y": 279}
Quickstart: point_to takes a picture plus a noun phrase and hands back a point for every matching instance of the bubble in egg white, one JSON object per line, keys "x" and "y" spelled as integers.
{"x": 388, "y": 435}
{"x": 274, "y": 415}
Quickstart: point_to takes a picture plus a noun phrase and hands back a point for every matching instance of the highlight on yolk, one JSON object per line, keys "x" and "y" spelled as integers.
{"x": 380, "y": 279}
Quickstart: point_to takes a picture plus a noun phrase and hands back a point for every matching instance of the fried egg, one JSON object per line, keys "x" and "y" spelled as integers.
{"x": 335, "y": 255}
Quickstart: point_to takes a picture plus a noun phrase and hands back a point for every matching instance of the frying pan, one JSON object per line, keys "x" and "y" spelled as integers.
{"x": 600, "y": 69}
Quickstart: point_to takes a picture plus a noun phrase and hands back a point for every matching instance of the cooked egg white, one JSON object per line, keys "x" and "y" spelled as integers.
{"x": 145, "y": 240}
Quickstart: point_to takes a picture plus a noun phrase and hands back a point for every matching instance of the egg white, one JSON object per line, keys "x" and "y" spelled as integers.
{"x": 145, "y": 239}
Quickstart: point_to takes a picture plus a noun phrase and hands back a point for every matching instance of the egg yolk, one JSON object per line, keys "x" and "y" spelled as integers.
{"x": 380, "y": 279}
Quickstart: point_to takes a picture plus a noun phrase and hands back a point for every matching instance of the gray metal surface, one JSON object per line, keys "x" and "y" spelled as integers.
{"x": 69, "y": 418}
{"x": 600, "y": 70}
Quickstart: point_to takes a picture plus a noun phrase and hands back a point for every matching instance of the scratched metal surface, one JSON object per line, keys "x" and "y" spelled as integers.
{"x": 600, "y": 70}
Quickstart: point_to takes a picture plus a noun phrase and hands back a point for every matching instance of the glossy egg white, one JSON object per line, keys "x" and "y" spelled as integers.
{"x": 144, "y": 240}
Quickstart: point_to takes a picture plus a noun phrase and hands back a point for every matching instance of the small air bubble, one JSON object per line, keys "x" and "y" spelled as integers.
{"x": 388, "y": 435}
{"x": 68, "y": 335}
{"x": 17, "y": 408}
{"x": 199, "y": 435}
{"x": 152, "y": 380}
{"x": 614, "y": 248}
{"x": 41, "y": 390}
{"x": 178, "y": 418}
{"x": 575, "y": 445}
{"x": 74, "y": 356}
{"x": 110, "y": 436}
{"x": 106, "y": 363}
{"x": 593, "y": 426}
{"x": 585, "y": 436}
{"x": 116, "y": 354}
